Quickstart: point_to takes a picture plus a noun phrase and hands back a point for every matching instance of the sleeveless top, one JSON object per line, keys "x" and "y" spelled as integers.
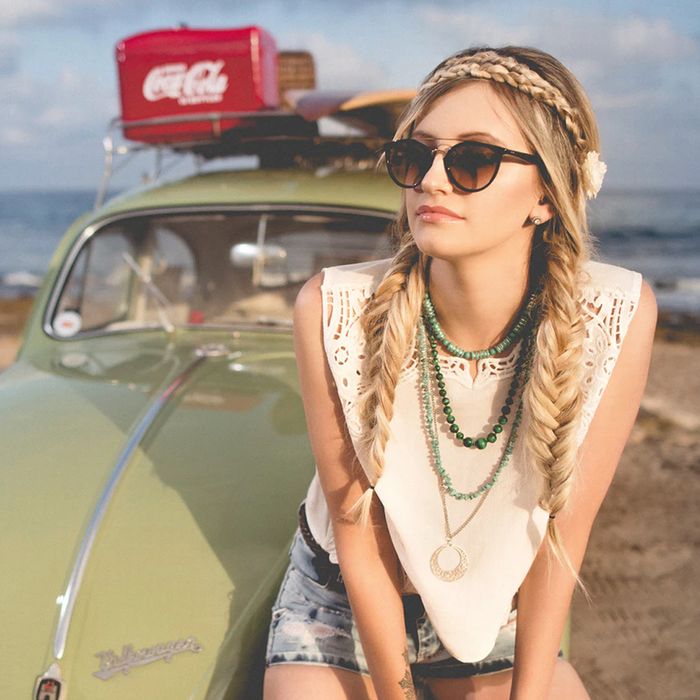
{"x": 502, "y": 539}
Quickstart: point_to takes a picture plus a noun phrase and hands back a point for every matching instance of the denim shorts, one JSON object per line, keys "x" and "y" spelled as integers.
{"x": 314, "y": 625}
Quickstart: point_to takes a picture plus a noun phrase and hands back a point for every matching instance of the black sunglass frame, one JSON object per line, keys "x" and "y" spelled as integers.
{"x": 500, "y": 151}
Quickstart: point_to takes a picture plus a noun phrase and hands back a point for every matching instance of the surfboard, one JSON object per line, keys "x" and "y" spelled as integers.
{"x": 373, "y": 111}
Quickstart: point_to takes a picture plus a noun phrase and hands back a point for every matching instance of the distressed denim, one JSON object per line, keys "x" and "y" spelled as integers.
{"x": 314, "y": 625}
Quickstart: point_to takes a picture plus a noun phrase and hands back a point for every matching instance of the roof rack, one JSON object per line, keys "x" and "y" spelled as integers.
{"x": 171, "y": 81}
{"x": 279, "y": 138}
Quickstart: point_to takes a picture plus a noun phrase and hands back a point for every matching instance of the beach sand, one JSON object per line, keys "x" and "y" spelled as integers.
{"x": 638, "y": 639}
{"x": 13, "y": 315}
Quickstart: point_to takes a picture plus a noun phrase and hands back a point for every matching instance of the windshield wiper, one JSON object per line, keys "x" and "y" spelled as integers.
{"x": 160, "y": 298}
{"x": 271, "y": 321}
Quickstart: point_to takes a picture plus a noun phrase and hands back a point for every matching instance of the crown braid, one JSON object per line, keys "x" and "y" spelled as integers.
{"x": 490, "y": 65}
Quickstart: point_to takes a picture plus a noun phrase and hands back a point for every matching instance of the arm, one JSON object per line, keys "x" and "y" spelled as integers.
{"x": 543, "y": 601}
{"x": 368, "y": 560}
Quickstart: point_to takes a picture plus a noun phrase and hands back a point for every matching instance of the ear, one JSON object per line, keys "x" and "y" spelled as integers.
{"x": 543, "y": 210}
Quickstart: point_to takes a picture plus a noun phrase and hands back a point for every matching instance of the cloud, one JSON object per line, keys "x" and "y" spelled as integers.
{"x": 650, "y": 97}
{"x": 623, "y": 62}
{"x": 47, "y": 112}
{"x": 13, "y": 14}
{"x": 596, "y": 41}
{"x": 15, "y": 136}
{"x": 465, "y": 28}
{"x": 650, "y": 39}
{"x": 33, "y": 13}
{"x": 636, "y": 68}
{"x": 339, "y": 66}
{"x": 9, "y": 54}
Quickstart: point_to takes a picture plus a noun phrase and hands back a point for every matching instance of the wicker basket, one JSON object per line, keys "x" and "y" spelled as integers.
{"x": 296, "y": 71}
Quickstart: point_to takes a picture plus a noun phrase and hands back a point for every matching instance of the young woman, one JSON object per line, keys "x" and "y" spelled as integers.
{"x": 467, "y": 402}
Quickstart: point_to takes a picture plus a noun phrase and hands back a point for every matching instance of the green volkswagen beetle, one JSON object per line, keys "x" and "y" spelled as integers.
{"x": 154, "y": 438}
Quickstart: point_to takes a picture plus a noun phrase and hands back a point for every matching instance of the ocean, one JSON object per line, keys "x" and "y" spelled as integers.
{"x": 655, "y": 233}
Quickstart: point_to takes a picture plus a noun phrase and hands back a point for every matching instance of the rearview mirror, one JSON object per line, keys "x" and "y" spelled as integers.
{"x": 268, "y": 262}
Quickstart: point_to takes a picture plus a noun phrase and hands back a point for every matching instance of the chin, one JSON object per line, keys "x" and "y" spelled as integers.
{"x": 436, "y": 243}
{"x": 445, "y": 252}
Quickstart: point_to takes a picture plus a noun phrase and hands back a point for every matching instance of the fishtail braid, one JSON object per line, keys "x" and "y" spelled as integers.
{"x": 388, "y": 323}
{"x": 552, "y": 395}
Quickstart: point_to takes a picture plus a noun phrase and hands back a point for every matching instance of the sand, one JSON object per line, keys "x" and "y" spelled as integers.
{"x": 13, "y": 315}
{"x": 638, "y": 639}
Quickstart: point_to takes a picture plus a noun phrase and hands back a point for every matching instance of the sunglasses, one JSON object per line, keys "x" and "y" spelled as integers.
{"x": 470, "y": 165}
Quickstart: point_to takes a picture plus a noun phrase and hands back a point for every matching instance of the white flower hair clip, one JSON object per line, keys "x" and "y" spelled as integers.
{"x": 594, "y": 170}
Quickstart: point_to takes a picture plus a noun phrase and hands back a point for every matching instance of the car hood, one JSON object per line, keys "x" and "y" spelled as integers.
{"x": 175, "y": 493}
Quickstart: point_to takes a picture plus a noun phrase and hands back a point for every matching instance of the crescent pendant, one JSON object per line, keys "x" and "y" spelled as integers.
{"x": 449, "y": 574}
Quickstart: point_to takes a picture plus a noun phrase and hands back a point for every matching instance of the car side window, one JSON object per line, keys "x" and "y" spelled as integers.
{"x": 98, "y": 286}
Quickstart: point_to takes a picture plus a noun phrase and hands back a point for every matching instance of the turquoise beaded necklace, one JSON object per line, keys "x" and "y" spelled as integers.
{"x": 512, "y": 335}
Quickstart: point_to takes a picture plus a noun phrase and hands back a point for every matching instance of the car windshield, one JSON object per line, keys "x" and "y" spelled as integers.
{"x": 207, "y": 268}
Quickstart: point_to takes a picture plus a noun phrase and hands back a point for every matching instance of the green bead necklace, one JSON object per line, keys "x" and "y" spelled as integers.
{"x": 527, "y": 352}
{"x": 512, "y": 335}
{"x": 480, "y": 442}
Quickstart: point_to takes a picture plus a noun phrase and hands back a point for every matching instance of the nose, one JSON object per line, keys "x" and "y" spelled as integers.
{"x": 436, "y": 178}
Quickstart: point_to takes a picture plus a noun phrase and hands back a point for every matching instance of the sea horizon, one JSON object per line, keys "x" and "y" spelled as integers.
{"x": 653, "y": 231}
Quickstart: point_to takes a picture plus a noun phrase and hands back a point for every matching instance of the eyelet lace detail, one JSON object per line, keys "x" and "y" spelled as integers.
{"x": 489, "y": 369}
{"x": 345, "y": 343}
{"x": 607, "y": 311}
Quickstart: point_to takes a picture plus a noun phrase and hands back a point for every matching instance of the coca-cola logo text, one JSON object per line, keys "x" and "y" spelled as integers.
{"x": 201, "y": 83}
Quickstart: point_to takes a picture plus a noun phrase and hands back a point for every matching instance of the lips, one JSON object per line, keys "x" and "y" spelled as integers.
{"x": 437, "y": 210}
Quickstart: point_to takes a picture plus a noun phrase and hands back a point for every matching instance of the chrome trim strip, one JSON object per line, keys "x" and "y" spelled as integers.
{"x": 233, "y": 327}
{"x": 69, "y": 597}
{"x": 91, "y": 230}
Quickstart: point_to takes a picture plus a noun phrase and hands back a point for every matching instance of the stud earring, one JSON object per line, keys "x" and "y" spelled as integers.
{"x": 536, "y": 220}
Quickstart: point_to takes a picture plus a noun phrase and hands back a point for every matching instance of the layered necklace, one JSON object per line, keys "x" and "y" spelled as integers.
{"x": 438, "y": 335}
{"x": 522, "y": 373}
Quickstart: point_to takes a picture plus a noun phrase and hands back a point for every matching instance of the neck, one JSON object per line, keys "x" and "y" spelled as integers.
{"x": 478, "y": 299}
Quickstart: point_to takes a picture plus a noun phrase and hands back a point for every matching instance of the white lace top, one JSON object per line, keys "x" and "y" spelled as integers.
{"x": 502, "y": 539}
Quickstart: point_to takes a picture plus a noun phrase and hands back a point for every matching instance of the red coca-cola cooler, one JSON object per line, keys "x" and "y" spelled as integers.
{"x": 179, "y": 74}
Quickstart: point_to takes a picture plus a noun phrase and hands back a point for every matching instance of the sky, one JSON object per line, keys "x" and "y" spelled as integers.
{"x": 638, "y": 61}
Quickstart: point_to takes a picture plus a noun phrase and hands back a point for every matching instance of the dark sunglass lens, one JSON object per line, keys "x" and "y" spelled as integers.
{"x": 406, "y": 162}
{"x": 473, "y": 165}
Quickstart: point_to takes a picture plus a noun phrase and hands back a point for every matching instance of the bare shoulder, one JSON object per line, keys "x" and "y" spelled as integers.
{"x": 635, "y": 353}
{"x": 630, "y": 373}
{"x": 646, "y": 316}
{"x": 309, "y": 296}
{"x": 307, "y": 317}
{"x": 618, "y": 407}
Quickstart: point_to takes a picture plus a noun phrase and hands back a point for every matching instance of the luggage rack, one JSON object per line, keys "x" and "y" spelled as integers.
{"x": 279, "y": 138}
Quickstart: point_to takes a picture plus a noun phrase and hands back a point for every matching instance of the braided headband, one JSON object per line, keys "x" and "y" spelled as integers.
{"x": 491, "y": 65}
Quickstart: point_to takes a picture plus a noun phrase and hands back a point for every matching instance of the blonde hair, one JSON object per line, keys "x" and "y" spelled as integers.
{"x": 558, "y": 123}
